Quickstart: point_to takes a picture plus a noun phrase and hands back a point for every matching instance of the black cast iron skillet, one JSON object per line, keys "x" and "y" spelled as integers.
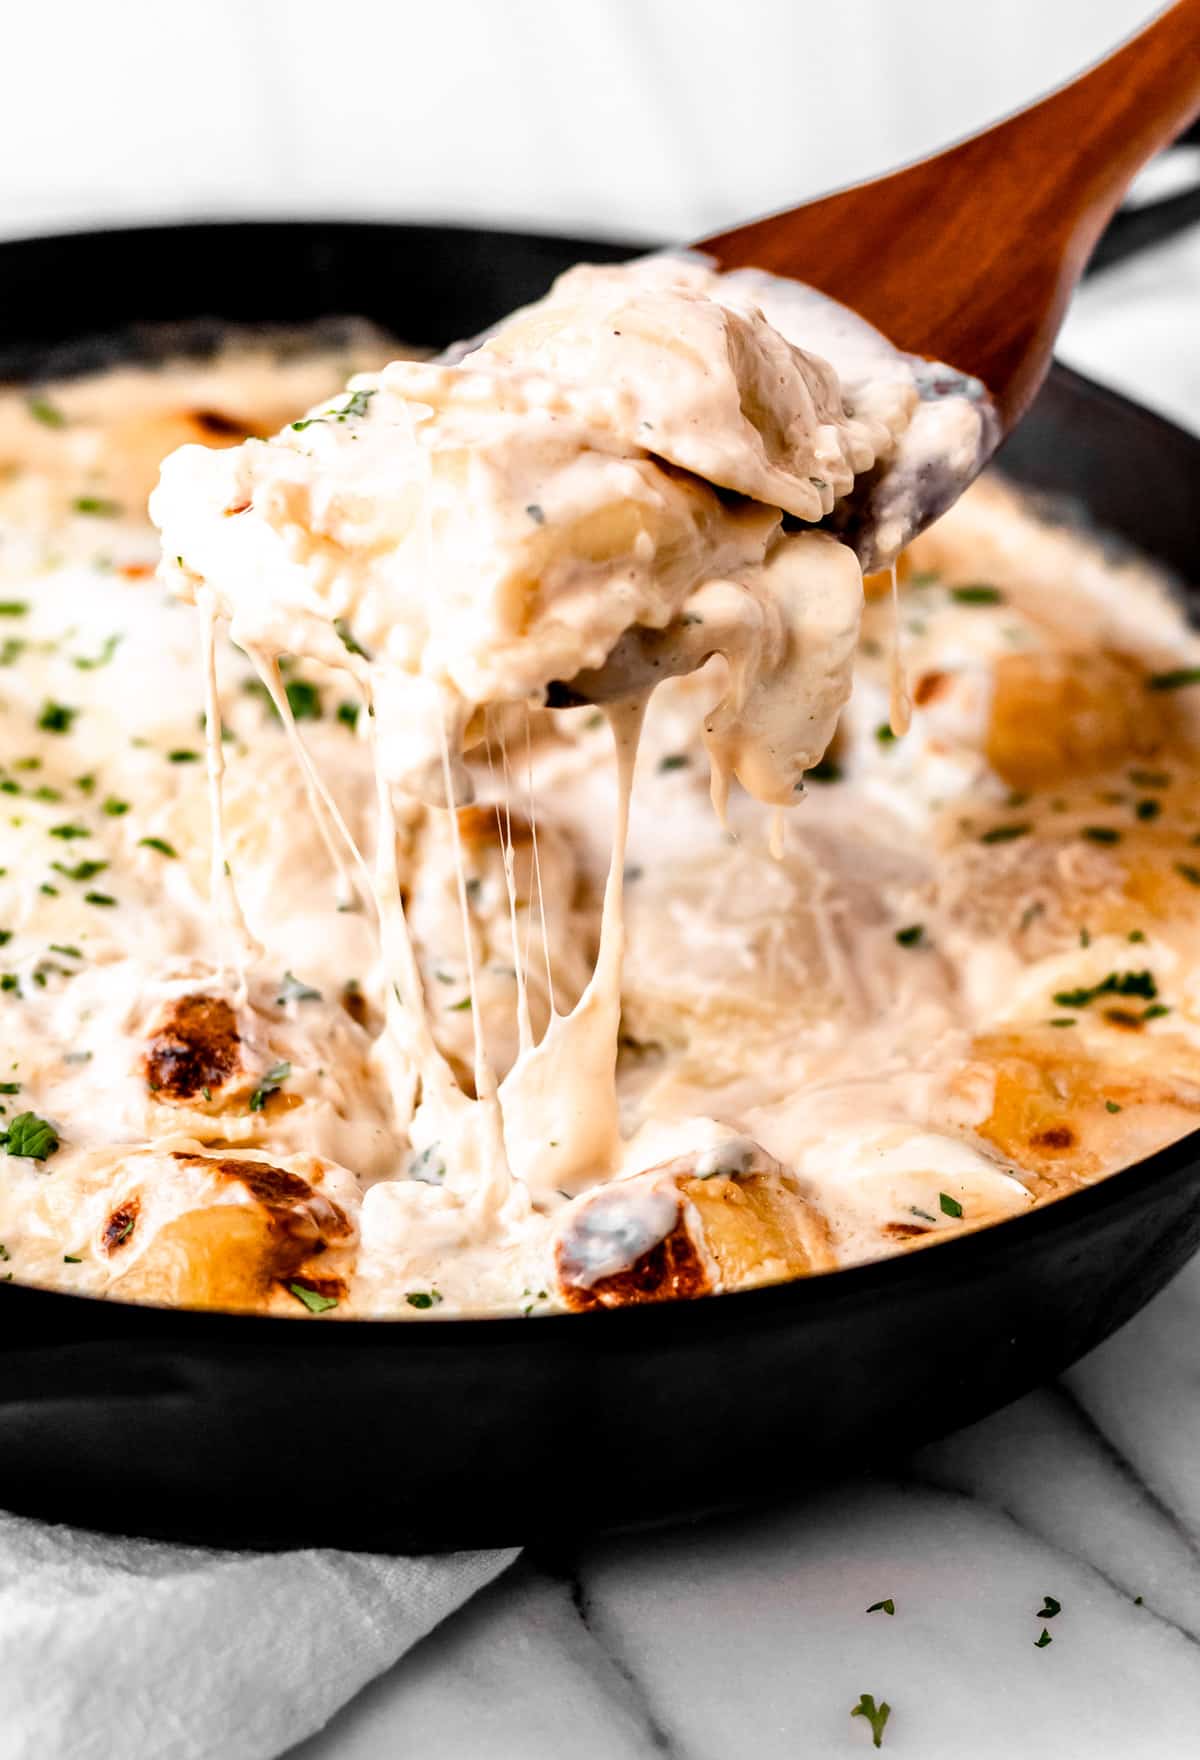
{"x": 431, "y": 1434}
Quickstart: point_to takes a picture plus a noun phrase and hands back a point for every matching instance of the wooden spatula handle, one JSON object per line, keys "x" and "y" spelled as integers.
{"x": 999, "y": 227}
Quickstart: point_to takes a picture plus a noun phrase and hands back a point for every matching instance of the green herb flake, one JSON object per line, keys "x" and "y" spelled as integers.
{"x": 80, "y": 871}
{"x": 30, "y": 1136}
{"x": 348, "y": 713}
{"x": 1116, "y": 984}
{"x": 69, "y": 832}
{"x": 93, "y": 662}
{"x": 98, "y": 505}
{"x": 536, "y": 514}
{"x": 183, "y": 755}
{"x": 459, "y": 1007}
{"x": 104, "y": 899}
{"x": 293, "y": 989}
{"x": 269, "y": 1085}
{"x": 949, "y": 1206}
{"x": 1147, "y": 809}
{"x": 1155, "y": 1011}
{"x": 1049, "y": 1608}
{"x": 312, "y": 1299}
{"x": 347, "y": 638}
{"x": 1173, "y": 681}
{"x": 10, "y": 1087}
{"x": 115, "y": 808}
{"x": 69, "y": 952}
{"x": 1111, "y": 1106}
{"x": 10, "y": 981}
{"x": 423, "y": 1298}
{"x": 1005, "y": 833}
{"x": 876, "y": 1716}
{"x": 1040, "y": 1643}
{"x": 977, "y": 595}
{"x": 673, "y": 761}
{"x": 160, "y": 844}
{"x": 56, "y": 717}
{"x": 45, "y": 412}
{"x": 884, "y": 734}
{"x": 912, "y": 936}
{"x": 888, "y": 1606}
{"x": 71, "y": 1259}
{"x": 1101, "y": 834}
{"x": 1136, "y": 935}
{"x": 13, "y": 607}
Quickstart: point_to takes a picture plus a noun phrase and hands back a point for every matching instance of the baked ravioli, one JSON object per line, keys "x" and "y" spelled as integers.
{"x": 292, "y": 997}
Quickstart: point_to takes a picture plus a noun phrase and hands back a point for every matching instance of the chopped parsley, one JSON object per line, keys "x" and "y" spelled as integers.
{"x": 357, "y": 405}
{"x": 422, "y": 1298}
{"x": 56, "y": 717}
{"x": 876, "y": 1716}
{"x": 949, "y": 1206}
{"x": 10, "y": 981}
{"x": 69, "y": 832}
{"x": 13, "y": 607}
{"x": 303, "y": 698}
{"x": 10, "y": 1087}
{"x": 977, "y": 595}
{"x": 427, "y": 1166}
{"x": 183, "y": 755}
{"x": 71, "y": 1259}
{"x": 888, "y": 1606}
{"x": 312, "y": 1299}
{"x": 1148, "y": 809}
{"x": 1173, "y": 681}
{"x": 1111, "y": 1106}
{"x": 459, "y": 1007}
{"x": 100, "y": 898}
{"x": 912, "y": 936}
{"x": 1049, "y": 1608}
{"x": 1101, "y": 834}
{"x": 884, "y": 734}
{"x": 1040, "y": 1643}
{"x": 42, "y": 410}
{"x": 81, "y": 870}
{"x": 348, "y": 713}
{"x": 1116, "y": 984}
{"x": 1155, "y": 1011}
{"x": 292, "y": 989}
{"x": 673, "y": 761}
{"x": 113, "y": 807}
{"x": 92, "y": 663}
{"x": 160, "y": 844}
{"x": 278, "y": 1073}
{"x": 6, "y": 936}
{"x": 99, "y": 505}
{"x": 71, "y": 953}
{"x": 346, "y": 637}
{"x": 31, "y": 1136}
{"x": 1004, "y": 833}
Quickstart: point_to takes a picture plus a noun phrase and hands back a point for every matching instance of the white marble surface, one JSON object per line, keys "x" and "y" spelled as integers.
{"x": 750, "y": 1637}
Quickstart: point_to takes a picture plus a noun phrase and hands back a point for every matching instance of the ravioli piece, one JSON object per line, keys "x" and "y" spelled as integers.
{"x": 666, "y": 354}
{"x": 721, "y": 1218}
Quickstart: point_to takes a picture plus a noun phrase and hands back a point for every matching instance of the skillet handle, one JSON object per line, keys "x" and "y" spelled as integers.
{"x": 1141, "y": 226}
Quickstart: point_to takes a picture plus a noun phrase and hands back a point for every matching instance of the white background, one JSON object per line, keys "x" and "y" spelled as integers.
{"x": 654, "y": 118}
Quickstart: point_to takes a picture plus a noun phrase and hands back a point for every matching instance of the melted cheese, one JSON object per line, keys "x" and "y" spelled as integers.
{"x": 314, "y": 1040}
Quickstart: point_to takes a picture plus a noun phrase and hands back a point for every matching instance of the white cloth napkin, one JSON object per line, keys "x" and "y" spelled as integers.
{"x": 114, "y": 1649}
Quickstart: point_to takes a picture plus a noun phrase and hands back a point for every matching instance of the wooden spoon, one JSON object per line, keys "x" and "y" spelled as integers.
{"x": 971, "y": 257}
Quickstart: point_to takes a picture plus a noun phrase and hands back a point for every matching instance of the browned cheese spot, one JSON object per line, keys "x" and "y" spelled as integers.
{"x": 196, "y": 1047}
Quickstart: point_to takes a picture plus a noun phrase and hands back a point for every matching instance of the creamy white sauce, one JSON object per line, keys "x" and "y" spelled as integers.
{"x": 589, "y": 974}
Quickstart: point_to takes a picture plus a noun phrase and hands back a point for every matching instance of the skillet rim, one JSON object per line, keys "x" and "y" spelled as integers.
{"x": 959, "y": 1257}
